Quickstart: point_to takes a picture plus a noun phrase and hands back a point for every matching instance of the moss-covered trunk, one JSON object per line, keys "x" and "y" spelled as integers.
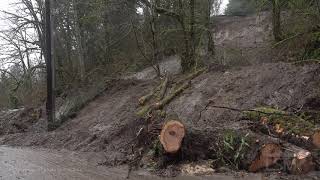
{"x": 276, "y": 19}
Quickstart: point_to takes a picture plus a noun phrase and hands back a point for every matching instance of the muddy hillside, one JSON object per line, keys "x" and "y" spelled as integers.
{"x": 274, "y": 104}
{"x": 243, "y": 40}
{"x": 110, "y": 123}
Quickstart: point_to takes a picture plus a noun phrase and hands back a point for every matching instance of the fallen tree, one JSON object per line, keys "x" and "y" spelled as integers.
{"x": 160, "y": 93}
{"x": 248, "y": 150}
{"x": 152, "y": 107}
{"x": 287, "y": 126}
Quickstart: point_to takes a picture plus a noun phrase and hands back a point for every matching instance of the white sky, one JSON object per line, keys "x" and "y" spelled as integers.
{"x": 223, "y": 5}
{"x": 4, "y": 5}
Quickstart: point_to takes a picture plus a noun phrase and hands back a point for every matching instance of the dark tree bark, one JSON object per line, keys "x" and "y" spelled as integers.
{"x": 187, "y": 24}
{"x": 50, "y": 68}
{"x": 80, "y": 49}
{"x": 276, "y": 20}
{"x": 155, "y": 38}
{"x": 211, "y": 49}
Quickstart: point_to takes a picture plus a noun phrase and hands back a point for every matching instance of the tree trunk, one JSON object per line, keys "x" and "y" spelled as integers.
{"x": 276, "y": 20}
{"x": 186, "y": 52}
{"x": 192, "y": 32}
{"x": 81, "y": 66}
{"x": 211, "y": 48}
{"x": 155, "y": 39}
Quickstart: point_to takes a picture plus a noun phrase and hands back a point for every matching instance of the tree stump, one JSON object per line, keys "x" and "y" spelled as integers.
{"x": 171, "y": 136}
{"x": 268, "y": 155}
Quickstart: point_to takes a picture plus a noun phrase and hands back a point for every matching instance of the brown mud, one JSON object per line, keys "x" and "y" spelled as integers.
{"x": 109, "y": 124}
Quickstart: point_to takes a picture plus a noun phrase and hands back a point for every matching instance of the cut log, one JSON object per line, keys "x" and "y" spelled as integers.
{"x": 285, "y": 126}
{"x": 171, "y": 136}
{"x": 297, "y": 160}
{"x": 316, "y": 140}
{"x": 279, "y": 132}
{"x": 268, "y": 155}
{"x": 302, "y": 163}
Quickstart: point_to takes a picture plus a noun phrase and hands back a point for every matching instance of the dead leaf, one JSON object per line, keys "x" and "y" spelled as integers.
{"x": 279, "y": 129}
{"x": 264, "y": 120}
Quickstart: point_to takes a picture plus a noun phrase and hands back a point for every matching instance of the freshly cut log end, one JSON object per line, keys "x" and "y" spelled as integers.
{"x": 269, "y": 155}
{"x": 171, "y": 136}
{"x": 316, "y": 140}
{"x": 302, "y": 163}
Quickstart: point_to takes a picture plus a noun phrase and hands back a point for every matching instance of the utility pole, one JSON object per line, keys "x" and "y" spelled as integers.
{"x": 50, "y": 106}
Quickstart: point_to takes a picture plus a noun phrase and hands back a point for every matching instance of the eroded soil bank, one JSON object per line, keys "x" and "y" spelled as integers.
{"x": 109, "y": 125}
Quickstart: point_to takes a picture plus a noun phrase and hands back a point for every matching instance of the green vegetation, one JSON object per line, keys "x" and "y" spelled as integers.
{"x": 235, "y": 148}
{"x": 290, "y": 123}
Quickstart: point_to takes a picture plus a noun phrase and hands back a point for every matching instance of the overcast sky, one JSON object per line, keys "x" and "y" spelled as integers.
{"x": 223, "y": 5}
{"x": 4, "y": 5}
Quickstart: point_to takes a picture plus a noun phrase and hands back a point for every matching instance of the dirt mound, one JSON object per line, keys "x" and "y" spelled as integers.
{"x": 109, "y": 124}
{"x": 19, "y": 120}
{"x": 279, "y": 85}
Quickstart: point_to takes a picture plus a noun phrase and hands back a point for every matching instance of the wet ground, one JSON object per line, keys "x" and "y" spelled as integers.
{"x": 170, "y": 65}
{"x": 34, "y": 164}
{"x": 24, "y": 163}
{"x": 109, "y": 123}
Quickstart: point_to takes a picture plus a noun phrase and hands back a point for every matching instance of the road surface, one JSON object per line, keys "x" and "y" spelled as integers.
{"x": 34, "y": 164}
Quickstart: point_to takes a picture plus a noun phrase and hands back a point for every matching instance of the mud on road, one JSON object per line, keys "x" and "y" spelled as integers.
{"x": 34, "y": 164}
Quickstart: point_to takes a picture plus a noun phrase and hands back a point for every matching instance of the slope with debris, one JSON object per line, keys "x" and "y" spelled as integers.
{"x": 109, "y": 124}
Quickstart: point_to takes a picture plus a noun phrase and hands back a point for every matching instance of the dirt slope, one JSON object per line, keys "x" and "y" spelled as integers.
{"x": 109, "y": 124}
{"x": 275, "y": 84}
{"x": 244, "y": 39}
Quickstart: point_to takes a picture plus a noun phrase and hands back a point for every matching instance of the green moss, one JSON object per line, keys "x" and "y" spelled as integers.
{"x": 295, "y": 124}
{"x": 258, "y": 113}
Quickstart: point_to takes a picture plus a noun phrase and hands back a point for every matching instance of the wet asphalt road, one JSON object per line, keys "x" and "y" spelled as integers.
{"x": 33, "y": 164}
